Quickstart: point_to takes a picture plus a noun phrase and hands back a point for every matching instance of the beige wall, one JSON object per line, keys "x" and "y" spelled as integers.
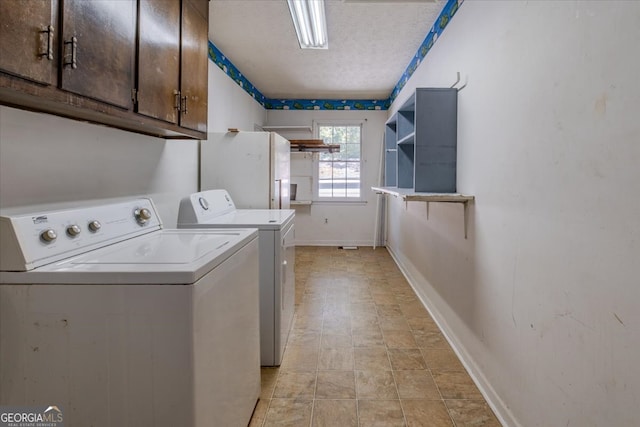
{"x": 541, "y": 301}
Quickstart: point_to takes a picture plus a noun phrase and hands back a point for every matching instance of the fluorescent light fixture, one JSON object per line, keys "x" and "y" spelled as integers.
{"x": 310, "y": 23}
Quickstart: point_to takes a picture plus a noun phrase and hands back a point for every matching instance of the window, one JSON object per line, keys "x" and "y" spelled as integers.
{"x": 339, "y": 173}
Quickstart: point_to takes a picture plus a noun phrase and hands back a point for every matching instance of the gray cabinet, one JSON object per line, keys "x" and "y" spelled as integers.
{"x": 424, "y": 131}
{"x": 391, "y": 154}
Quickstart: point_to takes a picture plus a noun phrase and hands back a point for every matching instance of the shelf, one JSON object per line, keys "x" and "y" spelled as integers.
{"x": 300, "y": 202}
{"x": 408, "y": 195}
{"x": 315, "y": 147}
{"x": 407, "y": 140}
{"x": 288, "y": 128}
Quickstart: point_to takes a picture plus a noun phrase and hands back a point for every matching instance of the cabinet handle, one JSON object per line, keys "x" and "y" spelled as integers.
{"x": 184, "y": 105}
{"x": 176, "y": 100}
{"x": 49, "y": 52}
{"x": 74, "y": 52}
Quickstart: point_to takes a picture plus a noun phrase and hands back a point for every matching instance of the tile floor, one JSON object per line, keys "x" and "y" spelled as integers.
{"x": 363, "y": 351}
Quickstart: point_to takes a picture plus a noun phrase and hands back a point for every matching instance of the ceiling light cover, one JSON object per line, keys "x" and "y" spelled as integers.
{"x": 310, "y": 23}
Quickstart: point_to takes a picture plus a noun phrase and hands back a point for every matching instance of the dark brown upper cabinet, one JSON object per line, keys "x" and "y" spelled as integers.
{"x": 159, "y": 59}
{"x": 194, "y": 72}
{"x": 172, "y": 62}
{"x": 98, "y": 48}
{"x": 138, "y": 65}
{"x": 28, "y": 40}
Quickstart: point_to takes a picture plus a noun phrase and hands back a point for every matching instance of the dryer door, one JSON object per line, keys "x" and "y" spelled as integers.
{"x": 287, "y": 286}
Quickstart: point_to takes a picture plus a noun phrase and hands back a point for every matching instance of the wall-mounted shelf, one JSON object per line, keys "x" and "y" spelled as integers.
{"x": 424, "y": 133}
{"x": 408, "y": 195}
{"x": 300, "y": 203}
{"x": 288, "y": 128}
{"x": 409, "y": 139}
{"x": 313, "y": 145}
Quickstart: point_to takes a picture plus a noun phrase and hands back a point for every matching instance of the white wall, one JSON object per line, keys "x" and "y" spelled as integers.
{"x": 542, "y": 299}
{"x": 48, "y": 159}
{"x": 337, "y": 224}
{"x": 229, "y": 105}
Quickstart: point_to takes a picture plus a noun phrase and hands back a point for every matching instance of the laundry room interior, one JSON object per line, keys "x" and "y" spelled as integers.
{"x": 509, "y": 296}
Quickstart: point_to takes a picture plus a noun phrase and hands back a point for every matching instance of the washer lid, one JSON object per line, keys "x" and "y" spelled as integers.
{"x": 162, "y": 257}
{"x": 162, "y": 249}
{"x": 258, "y": 218}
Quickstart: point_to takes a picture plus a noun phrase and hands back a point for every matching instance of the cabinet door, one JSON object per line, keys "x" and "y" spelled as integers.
{"x": 159, "y": 59}
{"x": 98, "y": 49}
{"x": 28, "y": 39}
{"x": 194, "y": 71}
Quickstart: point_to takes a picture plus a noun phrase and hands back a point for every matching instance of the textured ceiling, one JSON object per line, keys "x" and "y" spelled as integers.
{"x": 371, "y": 42}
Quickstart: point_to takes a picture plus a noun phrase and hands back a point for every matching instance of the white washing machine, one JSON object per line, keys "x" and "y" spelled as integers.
{"x": 215, "y": 209}
{"x": 118, "y": 322}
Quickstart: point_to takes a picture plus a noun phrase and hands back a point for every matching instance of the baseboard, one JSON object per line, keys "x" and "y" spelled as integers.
{"x": 334, "y": 243}
{"x": 498, "y": 406}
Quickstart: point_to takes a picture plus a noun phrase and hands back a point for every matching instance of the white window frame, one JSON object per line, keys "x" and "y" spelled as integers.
{"x": 316, "y": 162}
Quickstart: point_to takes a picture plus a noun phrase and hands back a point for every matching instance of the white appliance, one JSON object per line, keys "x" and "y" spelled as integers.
{"x": 119, "y": 322}
{"x": 254, "y": 167}
{"x": 215, "y": 209}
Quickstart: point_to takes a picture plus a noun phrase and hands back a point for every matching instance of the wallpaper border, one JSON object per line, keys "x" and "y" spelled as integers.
{"x": 445, "y": 16}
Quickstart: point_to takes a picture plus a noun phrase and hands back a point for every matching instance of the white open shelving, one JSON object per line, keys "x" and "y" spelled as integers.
{"x": 408, "y": 195}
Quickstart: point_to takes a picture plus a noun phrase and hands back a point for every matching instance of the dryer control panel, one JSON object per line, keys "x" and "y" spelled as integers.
{"x": 36, "y": 238}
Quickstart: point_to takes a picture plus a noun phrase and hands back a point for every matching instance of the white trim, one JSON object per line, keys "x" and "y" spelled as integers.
{"x": 315, "y": 162}
{"x": 363, "y": 243}
{"x": 500, "y": 409}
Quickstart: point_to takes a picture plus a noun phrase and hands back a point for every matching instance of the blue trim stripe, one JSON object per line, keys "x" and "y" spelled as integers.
{"x": 438, "y": 27}
{"x": 218, "y": 58}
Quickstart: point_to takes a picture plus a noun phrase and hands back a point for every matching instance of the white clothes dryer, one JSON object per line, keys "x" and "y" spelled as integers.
{"x": 215, "y": 209}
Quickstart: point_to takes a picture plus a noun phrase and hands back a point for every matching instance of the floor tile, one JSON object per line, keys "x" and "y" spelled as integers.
{"x": 413, "y": 309}
{"x": 259, "y": 413}
{"x": 380, "y": 413}
{"x": 371, "y": 359}
{"x": 406, "y": 359}
{"x": 289, "y": 413}
{"x": 361, "y": 326}
{"x": 471, "y": 413}
{"x": 416, "y": 384}
{"x": 339, "y": 358}
{"x": 456, "y": 385}
{"x": 426, "y": 413}
{"x": 300, "y": 358}
{"x": 375, "y": 385}
{"x": 439, "y": 360}
{"x": 396, "y": 323}
{"x": 422, "y": 324}
{"x": 383, "y": 297}
{"x": 336, "y": 385}
{"x": 363, "y": 351}
{"x": 430, "y": 339}
{"x": 399, "y": 339}
{"x": 368, "y": 338}
{"x": 305, "y": 339}
{"x": 389, "y": 310}
{"x": 334, "y": 413}
{"x": 335, "y": 340}
{"x": 268, "y": 377}
{"x": 295, "y": 385}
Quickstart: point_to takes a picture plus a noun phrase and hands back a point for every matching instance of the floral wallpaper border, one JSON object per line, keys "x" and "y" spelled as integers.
{"x": 218, "y": 58}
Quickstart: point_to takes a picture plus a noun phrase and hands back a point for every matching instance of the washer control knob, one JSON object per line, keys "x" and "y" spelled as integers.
{"x": 94, "y": 226}
{"x": 73, "y": 230}
{"x": 142, "y": 215}
{"x": 48, "y": 236}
